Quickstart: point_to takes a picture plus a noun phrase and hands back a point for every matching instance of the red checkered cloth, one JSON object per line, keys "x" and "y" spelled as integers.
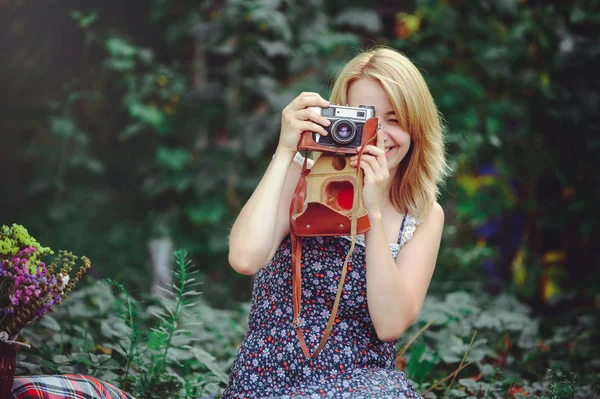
{"x": 67, "y": 386}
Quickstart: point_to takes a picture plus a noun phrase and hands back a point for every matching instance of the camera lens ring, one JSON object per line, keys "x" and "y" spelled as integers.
{"x": 343, "y": 138}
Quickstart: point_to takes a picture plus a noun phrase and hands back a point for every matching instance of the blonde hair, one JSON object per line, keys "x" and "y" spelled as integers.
{"x": 415, "y": 187}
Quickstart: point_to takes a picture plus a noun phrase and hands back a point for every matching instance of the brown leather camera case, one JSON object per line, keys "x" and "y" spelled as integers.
{"x": 320, "y": 214}
{"x": 316, "y": 210}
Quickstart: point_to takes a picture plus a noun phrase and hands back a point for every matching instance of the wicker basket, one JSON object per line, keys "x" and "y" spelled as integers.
{"x": 8, "y": 361}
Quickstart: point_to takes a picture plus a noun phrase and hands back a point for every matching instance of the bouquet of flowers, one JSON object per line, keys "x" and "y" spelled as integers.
{"x": 28, "y": 290}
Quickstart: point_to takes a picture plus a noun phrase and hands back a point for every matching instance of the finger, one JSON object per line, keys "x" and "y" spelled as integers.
{"x": 380, "y": 172}
{"x": 378, "y": 151}
{"x": 373, "y": 150}
{"x": 380, "y": 140}
{"x": 309, "y": 114}
{"x": 368, "y": 171}
{"x": 302, "y": 97}
{"x": 365, "y": 158}
{"x": 309, "y": 99}
{"x": 309, "y": 126}
{"x": 375, "y": 165}
{"x": 355, "y": 157}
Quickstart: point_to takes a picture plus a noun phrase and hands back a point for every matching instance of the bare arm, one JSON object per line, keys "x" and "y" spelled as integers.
{"x": 263, "y": 222}
{"x": 254, "y": 233}
{"x": 396, "y": 290}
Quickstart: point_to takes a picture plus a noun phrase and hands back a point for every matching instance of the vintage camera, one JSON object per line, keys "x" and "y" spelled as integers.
{"x": 346, "y": 128}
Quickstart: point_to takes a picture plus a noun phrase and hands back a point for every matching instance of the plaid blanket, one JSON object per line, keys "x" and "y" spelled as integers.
{"x": 67, "y": 386}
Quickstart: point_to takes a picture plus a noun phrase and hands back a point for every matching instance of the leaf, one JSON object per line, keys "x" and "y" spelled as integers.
{"x": 150, "y": 115}
{"x": 93, "y": 358}
{"x": 578, "y": 14}
{"x": 114, "y": 328}
{"x": 419, "y": 366}
{"x": 84, "y": 358}
{"x": 62, "y": 127}
{"x": 120, "y": 65}
{"x": 208, "y": 360}
{"x": 273, "y": 4}
{"x": 207, "y": 213}
{"x": 110, "y": 364}
{"x": 131, "y": 130}
{"x": 146, "y": 55}
{"x": 67, "y": 369}
{"x": 452, "y": 349}
{"x": 362, "y": 18}
{"x": 93, "y": 165}
{"x": 156, "y": 339}
{"x": 50, "y": 323}
{"x": 88, "y": 20}
{"x": 118, "y": 47}
{"x": 60, "y": 359}
{"x": 333, "y": 40}
{"x": 487, "y": 320}
{"x": 273, "y": 20}
{"x": 494, "y": 125}
{"x": 507, "y": 6}
{"x": 274, "y": 49}
{"x": 173, "y": 158}
{"x": 83, "y": 20}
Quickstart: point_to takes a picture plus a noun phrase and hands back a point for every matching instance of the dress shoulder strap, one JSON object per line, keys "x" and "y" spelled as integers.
{"x": 409, "y": 225}
{"x": 402, "y": 230}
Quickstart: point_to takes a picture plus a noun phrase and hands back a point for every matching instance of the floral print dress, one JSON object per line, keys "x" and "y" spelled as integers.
{"x": 353, "y": 364}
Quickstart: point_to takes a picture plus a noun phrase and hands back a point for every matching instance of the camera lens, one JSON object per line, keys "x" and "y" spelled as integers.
{"x": 343, "y": 131}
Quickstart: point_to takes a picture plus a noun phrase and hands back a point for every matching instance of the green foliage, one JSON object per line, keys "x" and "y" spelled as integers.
{"x": 512, "y": 81}
{"x": 180, "y": 347}
{"x": 167, "y": 124}
{"x": 562, "y": 383}
{"x": 147, "y": 138}
{"x": 511, "y": 353}
{"x": 176, "y": 347}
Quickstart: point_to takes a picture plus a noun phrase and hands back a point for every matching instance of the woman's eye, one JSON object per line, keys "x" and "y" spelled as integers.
{"x": 392, "y": 120}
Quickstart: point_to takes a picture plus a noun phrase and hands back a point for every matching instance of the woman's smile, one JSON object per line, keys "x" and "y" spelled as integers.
{"x": 388, "y": 151}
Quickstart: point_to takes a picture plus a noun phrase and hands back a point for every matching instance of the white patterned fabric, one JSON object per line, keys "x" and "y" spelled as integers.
{"x": 410, "y": 225}
{"x": 300, "y": 160}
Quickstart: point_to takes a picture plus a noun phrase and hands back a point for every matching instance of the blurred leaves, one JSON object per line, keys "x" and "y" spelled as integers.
{"x": 170, "y": 117}
{"x": 359, "y": 18}
{"x": 83, "y": 19}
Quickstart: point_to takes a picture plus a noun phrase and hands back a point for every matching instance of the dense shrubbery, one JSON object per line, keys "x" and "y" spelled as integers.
{"x": 163, "y": 125}
{"x": 180, "y": 347}
{"x": 174, "y": 347}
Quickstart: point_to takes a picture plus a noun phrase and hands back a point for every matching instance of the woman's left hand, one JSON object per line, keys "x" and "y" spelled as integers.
{"x": 376, "y": 174}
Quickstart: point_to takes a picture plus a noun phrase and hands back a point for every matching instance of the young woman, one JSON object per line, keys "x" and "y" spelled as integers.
{"x": 390, "y": 270}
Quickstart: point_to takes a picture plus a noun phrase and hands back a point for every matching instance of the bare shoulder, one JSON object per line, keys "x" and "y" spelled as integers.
{"x": 431, "y": 226}
{"x": 435, "y": 214}
{"x": 423, "y": 247}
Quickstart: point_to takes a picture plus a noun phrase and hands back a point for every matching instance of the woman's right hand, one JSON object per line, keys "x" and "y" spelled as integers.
{"x": 297, "y": 118}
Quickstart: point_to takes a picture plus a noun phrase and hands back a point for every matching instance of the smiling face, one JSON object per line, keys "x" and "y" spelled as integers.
{"x": 381, "y": 77}
{"x": 365, "y": 91}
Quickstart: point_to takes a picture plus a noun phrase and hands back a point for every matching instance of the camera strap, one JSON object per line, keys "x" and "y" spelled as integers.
{"x": 297, "y": 204}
